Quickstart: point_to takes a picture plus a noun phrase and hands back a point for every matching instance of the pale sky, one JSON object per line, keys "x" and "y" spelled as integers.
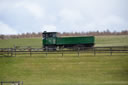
{"x": 21, "y": 16}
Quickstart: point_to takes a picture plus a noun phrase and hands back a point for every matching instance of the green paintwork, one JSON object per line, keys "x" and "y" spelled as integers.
{"x": 49, "y": 41}
{"x": 69, "y": 40}
{"x": 75, "y": 40}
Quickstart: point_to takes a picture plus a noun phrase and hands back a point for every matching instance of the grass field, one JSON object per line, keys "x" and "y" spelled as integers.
{"x": 121, "y": 40}
{"x": 34, "y": 42}
{"x": 66, "y": 70}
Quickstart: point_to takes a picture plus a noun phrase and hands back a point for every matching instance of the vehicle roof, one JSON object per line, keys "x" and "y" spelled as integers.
{"x": 45, "y": 32}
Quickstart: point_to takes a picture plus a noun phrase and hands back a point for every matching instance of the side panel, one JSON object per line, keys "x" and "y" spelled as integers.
{"x": 49, "y": 41}
{"x": 75, "y": 40}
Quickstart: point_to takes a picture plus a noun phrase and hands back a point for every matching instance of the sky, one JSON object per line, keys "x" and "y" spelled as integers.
{"x": 22, "y": 16}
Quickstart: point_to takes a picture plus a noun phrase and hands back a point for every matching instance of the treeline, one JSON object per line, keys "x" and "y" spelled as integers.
{"x": 39, "y": 34}
{"x": 23, "y": 35}
{"x": 94, "y": 33}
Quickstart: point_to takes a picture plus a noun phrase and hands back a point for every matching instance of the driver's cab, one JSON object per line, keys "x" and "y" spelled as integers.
{"x": 49, "y": 38}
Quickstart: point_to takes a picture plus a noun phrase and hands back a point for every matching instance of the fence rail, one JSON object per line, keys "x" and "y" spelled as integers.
{"x": 122, "y": 50}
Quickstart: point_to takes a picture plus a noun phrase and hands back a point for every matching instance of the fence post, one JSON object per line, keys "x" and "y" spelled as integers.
{"x": 62, "y": 54}
{"x": 21, "y": 82}
{"x": 94, "y": 51}
{"x": 8, "y": 51}
{"x": 11, "y": 51}
{"x": 1, "y": 83}
{"x": 46, "y": 53}
{"x": 30, "y": 52}
{"x": 15, "y": 50}
{"x": 78, "y": 52}
{"x": 2, "y": 51}
{"x": 111, "y": 51}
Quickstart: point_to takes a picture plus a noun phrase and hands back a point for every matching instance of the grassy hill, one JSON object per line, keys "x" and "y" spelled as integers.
{"x": 21, "y": 42}
{"x": 121, "y": 40}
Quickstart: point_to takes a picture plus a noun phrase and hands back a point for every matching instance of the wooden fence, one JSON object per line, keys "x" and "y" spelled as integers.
{"x": 122, "y": 50}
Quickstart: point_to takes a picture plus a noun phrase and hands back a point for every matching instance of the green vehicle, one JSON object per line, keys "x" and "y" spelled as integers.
{"x": 52, "y": 41}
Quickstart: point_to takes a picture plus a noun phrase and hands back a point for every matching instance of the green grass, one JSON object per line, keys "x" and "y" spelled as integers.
{"x": 21, "y": 42}
{"x": 119, "y": 40}
{"x": 67, "y": 70}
